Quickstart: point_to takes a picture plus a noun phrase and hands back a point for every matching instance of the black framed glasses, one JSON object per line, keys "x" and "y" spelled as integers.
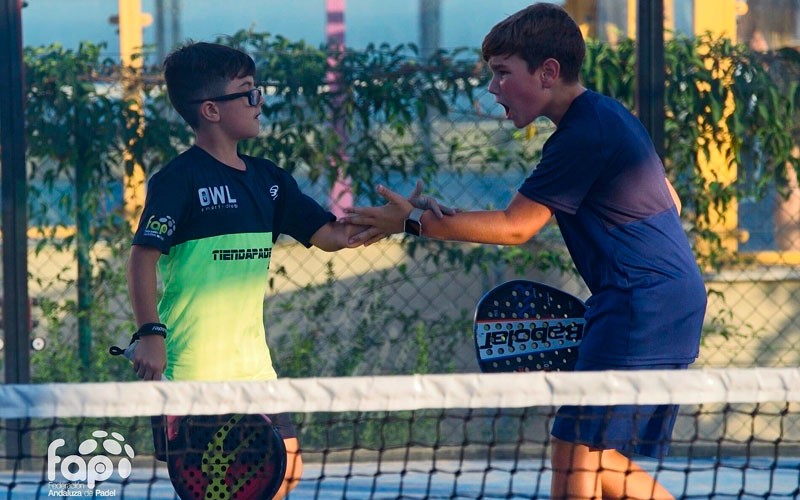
{"x": 253, "y": 97}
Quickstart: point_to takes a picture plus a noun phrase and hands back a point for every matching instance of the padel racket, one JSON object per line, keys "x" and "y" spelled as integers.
{"x": 219, "y": 457}
{"x": 527, "y": 326}
{"x": 216, "y": 457}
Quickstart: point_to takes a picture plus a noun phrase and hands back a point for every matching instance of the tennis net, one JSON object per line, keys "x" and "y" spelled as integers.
{"x": 422, "y": 436}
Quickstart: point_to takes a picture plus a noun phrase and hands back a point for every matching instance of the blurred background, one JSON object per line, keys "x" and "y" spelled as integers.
{"x": 401, "y": 306}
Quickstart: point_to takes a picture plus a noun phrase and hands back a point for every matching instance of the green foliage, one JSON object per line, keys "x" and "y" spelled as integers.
{"x": 374, "y": 121}
{"x": 77, "y": 131}
{"x": 339, "y": 330}
{"x": 759, "y": 122}
{"x": 611, "y": 70}
{"x": 747, "y": 99}
{"x": 363, "y": 120}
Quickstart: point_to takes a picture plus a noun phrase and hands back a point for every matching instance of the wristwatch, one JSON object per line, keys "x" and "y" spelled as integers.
{"x": 413, "y": 223}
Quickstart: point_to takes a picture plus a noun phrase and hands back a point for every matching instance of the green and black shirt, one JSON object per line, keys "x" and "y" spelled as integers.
{"x": 216, "y": 227}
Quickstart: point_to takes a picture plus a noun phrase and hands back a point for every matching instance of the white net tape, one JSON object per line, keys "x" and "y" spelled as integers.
{"x": 399, "y": 393}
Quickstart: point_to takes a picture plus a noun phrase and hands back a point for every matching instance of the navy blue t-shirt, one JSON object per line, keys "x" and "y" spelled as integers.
{"x": 602, "y": 178}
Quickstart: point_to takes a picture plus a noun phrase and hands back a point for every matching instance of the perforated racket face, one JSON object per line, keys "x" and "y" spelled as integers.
{"x": 216, "y": 457}
{"x": 527, "y": 326}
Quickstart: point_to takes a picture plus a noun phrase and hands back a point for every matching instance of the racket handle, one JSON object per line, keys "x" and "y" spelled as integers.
{"x": 128, "y": 353}
{"x": 130, "y": 350}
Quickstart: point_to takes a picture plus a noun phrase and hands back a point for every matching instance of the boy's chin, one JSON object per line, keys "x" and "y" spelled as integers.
{"x": 520, "y": 123}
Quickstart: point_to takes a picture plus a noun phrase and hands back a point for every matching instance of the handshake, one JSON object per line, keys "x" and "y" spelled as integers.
{"x": 372, "y": 224}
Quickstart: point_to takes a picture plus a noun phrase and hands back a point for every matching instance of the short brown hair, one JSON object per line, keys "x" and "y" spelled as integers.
{"x": 536, "y": 33}
{"x": 200, "y": 70}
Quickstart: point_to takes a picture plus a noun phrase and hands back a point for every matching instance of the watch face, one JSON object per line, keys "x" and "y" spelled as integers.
{"x": 413, "y": 227}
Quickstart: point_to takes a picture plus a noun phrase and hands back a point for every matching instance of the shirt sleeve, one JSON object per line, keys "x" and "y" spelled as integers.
{"x": 299, "y": 215}
{"x": 165, "y": 207}
{"x": 571, "y": 162}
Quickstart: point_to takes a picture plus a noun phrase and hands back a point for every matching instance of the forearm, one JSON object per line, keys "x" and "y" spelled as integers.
{"x": 150, "y": 357}
{"x": 333, "y": 236}
{"x": 325, "y": 238}
{"x": 143, "y": 287}
{"x": 515, "y": 225}
{"x": 491, "y": 227}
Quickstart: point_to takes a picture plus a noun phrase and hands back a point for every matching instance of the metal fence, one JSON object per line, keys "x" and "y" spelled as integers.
{"x": 403, "y": 305}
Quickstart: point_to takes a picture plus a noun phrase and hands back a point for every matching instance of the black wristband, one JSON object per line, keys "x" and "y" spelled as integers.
{"x": 151, "y": 329}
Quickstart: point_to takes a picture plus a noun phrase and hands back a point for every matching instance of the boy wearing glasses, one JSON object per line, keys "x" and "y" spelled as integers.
{"x": 209, "y": 223}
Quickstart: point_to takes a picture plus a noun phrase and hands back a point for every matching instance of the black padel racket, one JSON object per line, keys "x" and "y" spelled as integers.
{"x": 219, "y": 457}
{"x": 527, "y": 326}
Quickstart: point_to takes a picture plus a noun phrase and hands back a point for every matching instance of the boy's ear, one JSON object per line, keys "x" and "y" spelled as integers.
{"x": 551, "y": 70}
{"x": 208, "y": 111}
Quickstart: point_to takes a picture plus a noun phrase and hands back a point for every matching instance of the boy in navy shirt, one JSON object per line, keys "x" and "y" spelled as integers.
{"x": 619, "y": 216}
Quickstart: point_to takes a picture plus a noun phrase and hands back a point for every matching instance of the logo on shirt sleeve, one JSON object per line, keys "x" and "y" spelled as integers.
{"x": 159, "y": 227}
{"x": 273, "y": 191}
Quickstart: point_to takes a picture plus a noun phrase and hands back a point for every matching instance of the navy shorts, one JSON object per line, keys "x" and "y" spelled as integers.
{"x": 640, "y": 429}
{"x": 283, "y": 424}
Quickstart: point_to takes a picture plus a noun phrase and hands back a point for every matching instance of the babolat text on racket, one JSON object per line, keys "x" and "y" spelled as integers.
{"x": 523, "y": 325}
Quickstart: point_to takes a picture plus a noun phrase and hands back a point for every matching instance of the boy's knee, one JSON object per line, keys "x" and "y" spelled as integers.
{"x": 565, "y": 455}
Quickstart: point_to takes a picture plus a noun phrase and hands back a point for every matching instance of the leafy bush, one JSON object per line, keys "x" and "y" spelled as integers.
{"x": 379, "y": 120}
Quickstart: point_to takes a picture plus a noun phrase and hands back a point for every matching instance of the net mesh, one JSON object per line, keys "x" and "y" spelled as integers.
{"x": 424, "y": 436}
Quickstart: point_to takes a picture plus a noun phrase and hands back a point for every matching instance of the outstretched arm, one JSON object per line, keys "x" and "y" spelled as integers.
{"x": 417, "y": 200}
{"x": 513, "y": 226}
{"x": 335, "y": 236}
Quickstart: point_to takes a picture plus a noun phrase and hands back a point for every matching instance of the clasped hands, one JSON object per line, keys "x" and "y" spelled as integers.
{"x": 388, "y": 219}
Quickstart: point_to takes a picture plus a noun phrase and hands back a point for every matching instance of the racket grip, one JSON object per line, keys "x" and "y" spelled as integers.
{"x": 130, "y": 350}
{"x": 128, "y": 353}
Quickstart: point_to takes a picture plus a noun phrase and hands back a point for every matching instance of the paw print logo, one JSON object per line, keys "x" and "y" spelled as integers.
{"x": 169, "y": 223}
{"x": 113, "y": 445}
{"x": 161, "y": 226}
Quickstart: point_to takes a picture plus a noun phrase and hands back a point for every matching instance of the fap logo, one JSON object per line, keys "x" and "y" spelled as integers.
{"x": 90, "y": 466}
{"x": 159, "y": 227}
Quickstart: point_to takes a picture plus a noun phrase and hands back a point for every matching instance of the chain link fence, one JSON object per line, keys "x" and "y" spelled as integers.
{"x": 399, "y": 306}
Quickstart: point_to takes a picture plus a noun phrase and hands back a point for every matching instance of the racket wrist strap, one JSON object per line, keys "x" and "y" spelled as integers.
{"x": 147, "y": 329}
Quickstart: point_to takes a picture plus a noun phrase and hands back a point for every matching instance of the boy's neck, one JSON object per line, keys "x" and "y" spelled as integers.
{"x": 563, "y": 100}
{"x": 225, "y": 152}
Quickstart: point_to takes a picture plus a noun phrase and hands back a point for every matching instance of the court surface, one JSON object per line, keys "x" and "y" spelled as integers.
{"x": 737, "y": 477}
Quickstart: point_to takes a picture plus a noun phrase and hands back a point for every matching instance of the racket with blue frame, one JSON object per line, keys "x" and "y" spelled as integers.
{"x": 219, "y": 457}
{"x": 523, "y": 325}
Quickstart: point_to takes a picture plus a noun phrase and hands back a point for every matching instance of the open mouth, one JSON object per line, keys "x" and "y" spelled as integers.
{"x": 505, "y": 108}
